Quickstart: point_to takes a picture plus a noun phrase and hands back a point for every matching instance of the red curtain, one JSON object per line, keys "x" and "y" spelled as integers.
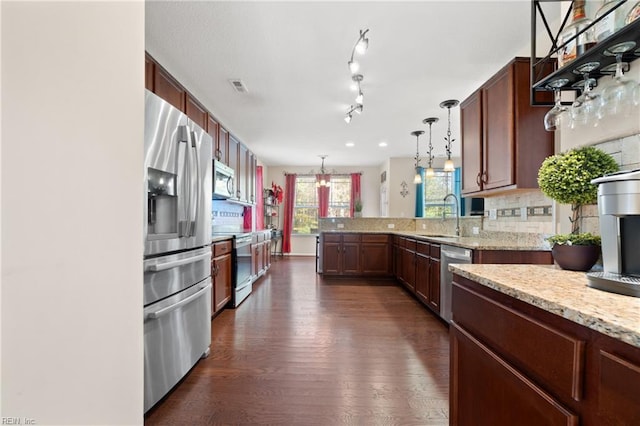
{"x": 259, "y": 198}
{"x": 323, "y": 196}
{"x": 289, "y": 201}
{"x": 355, "y": 191}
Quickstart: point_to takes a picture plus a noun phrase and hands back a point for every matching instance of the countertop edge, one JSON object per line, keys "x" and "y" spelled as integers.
{"x": 589, "y": 320}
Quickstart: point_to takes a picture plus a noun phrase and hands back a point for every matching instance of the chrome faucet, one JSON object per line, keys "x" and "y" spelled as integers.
{"x": 457, "y": 212}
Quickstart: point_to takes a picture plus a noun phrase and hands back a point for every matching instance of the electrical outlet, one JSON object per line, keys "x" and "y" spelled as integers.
{"x": 391, "y": 225}
{"x": 475, "y": 230}
{"x": 493, "y": 214}
{"x": 523, "y": 213}
{"x": 424, "y": 226}
{"x": 340, "y": 225}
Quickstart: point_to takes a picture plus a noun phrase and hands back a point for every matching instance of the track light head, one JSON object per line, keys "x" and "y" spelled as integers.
{"x": 359, "y": 98}
{"x": 347, "y": 118}
{"x": 353, "y": 66}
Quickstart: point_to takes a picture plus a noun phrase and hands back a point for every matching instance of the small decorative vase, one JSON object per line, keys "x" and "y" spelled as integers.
{"x": 575, "y": 258}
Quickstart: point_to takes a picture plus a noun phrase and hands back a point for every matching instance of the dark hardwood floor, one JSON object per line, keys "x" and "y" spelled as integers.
{"x": 303, "y": 350}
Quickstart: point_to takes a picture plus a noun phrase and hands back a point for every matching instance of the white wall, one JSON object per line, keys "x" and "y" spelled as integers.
{"x": 72, "y": 135}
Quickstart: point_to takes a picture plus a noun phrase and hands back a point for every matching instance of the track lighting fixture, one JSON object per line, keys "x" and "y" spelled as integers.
{"x": 353, "y": 108}
{"x": 361, "y": 47}
{"x": 430, "y": 172}
{"x": 448, "y": 165}
{"x": 418, "y": 177}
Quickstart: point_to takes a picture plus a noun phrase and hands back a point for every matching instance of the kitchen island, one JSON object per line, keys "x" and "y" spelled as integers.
{"x": 533, "y": 344}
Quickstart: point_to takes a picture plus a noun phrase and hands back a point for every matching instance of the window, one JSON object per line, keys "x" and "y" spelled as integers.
{"x": 305, "y": 210}
{"x": 436, "y": 188}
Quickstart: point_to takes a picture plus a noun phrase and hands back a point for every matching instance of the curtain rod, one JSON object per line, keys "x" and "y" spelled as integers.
{"x": 312, "y": 173}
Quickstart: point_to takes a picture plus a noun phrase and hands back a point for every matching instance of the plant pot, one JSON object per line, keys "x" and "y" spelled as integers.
{"x": 575, "y": 258}
{"x": 357, "y": 214}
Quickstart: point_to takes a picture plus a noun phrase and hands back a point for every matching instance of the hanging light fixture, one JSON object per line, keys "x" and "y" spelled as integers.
{"x": 353, "y": 108}
{"x": 430, "y": 172}
{"x": 448, "y": 165}
{"x": 418, "y": 177}
{"x": 361, "y": 47}
{"x": 322, "y": 181}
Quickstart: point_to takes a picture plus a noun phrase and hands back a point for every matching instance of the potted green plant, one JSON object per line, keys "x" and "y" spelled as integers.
{"x": 566, "y": 178}
{"x": 357, "y": 208}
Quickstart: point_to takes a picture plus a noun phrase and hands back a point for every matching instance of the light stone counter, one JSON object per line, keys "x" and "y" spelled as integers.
{"x": 564, "y": 293}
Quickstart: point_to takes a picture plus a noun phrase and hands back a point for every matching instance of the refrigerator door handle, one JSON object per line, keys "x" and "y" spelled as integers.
{"x": 175, "y": 263}
{"x": 185, "y": 197}
{"x": 157, "y": 314}
{"x": 198, "y": 188}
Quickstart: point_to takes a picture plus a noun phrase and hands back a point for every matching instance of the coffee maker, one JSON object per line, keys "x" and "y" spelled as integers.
{"x": 619, "y": 214}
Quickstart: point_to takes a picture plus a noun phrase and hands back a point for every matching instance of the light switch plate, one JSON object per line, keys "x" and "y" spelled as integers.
{"x": 475, "y": 230}
{"x": 340, "y": 225}
{"x": 493, "y": 214}
{"x": 391, "y": 225}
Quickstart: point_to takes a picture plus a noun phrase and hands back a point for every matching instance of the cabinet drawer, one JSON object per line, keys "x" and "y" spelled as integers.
{"x": 434, "y": 251}
{"x": 422, "y": 248}
{"x": 401, "y": 241}
{"x": 411, "y": 244}
{"x": 375, "y": 238}
{"x": 221, "y": 248}
{"x": 351, "y": 238}
{"x": 332, "y": 238}
{"x": 545, "y": 354}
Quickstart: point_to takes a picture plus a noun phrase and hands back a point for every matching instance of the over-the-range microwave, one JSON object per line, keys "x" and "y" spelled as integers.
{"x": 223, "y": 181}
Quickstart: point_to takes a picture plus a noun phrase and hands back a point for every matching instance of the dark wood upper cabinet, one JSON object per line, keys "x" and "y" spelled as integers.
{"x": 223, "y": 145}
{"x": 213, "y": 128}
{"x": 196, "y": 112}
{"x": 168, "y": 89}
{"x": 503, "y": 137}
{"x": 148, "y": 73}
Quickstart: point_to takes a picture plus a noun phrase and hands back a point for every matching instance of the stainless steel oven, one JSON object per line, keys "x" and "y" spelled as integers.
{"x": 242, "y": 277}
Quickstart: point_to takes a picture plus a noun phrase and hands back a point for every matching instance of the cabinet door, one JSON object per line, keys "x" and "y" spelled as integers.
{"x": 196, "y": 112}
{"x": 331, "y": 257}
{"x": 222, "y": 281}
{"x": 234, "y": 163}
{"x": 397, "y": 262}
{"x": 148, "y": 73}
{"x": 168, "y": 88}
{"x": 350, "y": 258}
{"x": 434, "y": 285}
{"x": 422, "y": 278}
{"x": 409, "y": 269}
{"x": 213, "y": 128}
{"x": 375, "y": 258}
{"x": 243, "y": 173}
{"x": 471, "y": 128}
{"x": 619, "y": 399}
{"x": 223, "y": 145}
{"x": 498, "y": 138}
{"x": 486, "y": 390}
{"x": 253, "y": 163}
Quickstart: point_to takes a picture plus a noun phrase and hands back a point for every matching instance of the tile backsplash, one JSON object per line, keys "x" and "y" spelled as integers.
{"x": 526, "y": 211}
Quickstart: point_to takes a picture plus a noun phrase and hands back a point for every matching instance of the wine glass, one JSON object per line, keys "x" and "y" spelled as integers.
{"x": 584, "y": 107}
{"x": 552, "y": 118}
{"x": 618, "y": 97}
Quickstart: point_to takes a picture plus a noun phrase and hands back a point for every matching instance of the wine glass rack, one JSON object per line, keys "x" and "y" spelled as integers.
{"x": 540, "y": 78}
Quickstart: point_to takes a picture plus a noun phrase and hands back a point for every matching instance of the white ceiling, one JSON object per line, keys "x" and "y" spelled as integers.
{"x": 293, "y": 56}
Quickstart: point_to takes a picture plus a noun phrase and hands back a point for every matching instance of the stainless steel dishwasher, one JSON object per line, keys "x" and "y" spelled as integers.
{"x": 449, "y": 255}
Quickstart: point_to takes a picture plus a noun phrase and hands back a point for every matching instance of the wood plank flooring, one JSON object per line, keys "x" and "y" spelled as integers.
{"x": 303, "y": 350}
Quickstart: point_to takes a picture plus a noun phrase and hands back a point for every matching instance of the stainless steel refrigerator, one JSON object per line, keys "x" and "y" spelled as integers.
{"x": 177, "y": 246}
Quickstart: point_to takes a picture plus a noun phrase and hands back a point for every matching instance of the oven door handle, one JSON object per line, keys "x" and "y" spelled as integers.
{"x": 175, "y": 263}
{"x": 157, "y": 314}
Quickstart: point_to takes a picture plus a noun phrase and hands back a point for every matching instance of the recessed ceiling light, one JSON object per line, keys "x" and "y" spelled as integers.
{"x": 350, "y": 144}
{"x": 382, "y": 144}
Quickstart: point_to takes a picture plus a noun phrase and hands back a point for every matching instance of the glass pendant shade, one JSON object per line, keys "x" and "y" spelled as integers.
{"x": 430, "y": 172}
{"x": 417, "y": 178}
{"x": 448, "y": 166}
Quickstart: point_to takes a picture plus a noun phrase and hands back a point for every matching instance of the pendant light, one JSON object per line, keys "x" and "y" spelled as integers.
{"x": 417, "y": 178}
{"x": 322, "y": 181}
{"x": 430, "y": 172}
{"x": 448, "y": 165}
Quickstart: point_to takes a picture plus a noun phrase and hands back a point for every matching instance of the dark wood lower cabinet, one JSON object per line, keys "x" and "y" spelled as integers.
{"x": 515, "y": 364}
{"x": 221, "y": 275}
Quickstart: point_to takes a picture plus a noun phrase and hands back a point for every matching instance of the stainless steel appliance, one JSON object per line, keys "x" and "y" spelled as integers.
{"x": 223, "y": 181}
{"x": 449, "y": 255}
{"x": 619, "y": 213}
{"x": 177, "y": 247}
{"x": 242, "y": 278}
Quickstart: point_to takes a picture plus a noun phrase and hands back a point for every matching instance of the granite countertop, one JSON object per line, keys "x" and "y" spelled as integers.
{"x": 564, "y": 293}
{"x": 464, "y": 242}
{"x": 218, "y": 238}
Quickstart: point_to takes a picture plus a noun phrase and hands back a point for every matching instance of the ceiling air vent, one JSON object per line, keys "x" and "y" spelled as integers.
{"x": 238, "y": 85}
